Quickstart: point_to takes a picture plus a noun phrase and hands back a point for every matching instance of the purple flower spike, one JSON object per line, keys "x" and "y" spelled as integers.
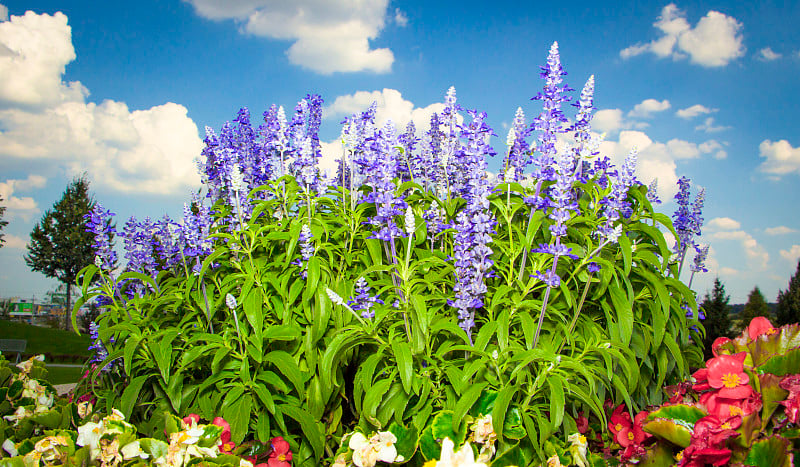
{"x": 363, "y": 301}
{"x": 98, "y": 222}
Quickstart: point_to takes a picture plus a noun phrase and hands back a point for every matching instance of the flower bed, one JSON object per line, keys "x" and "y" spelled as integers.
{"x": 410, "y": 305}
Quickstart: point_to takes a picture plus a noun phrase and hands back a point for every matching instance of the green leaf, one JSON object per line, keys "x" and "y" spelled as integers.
{"x": 312, "y": 429}
{"x": 670, "y": 430}
{"x": 402, "y": 355}
{"x": 287, "y": 366}
{"x": 624, "y": 312}
{"x": 771, "y": 452}
{"x": 282, "y": 332}
{"x": 501, "y": 407}
{"x": 130, "y": 395}
{"x": 556, "y": 400}
{"x": 237, "y": 414}
{"x": 406, "y": 444}
{"x": 468, "y": 399}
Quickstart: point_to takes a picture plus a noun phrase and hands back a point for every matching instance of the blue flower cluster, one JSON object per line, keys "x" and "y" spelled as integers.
{"x": 363, "y": 300}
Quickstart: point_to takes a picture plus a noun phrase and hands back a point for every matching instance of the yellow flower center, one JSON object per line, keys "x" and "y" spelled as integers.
{"x": 771, "y": 331}
{"x": 731, "y": 380}
{"x": 679, "y": 456}
{"x": 735, "y": 410}
{"x": 282, "y": 458}
{"x": 618, "y": 427}
{"x": 726, "y": 426}
{"x": 630, "y": 435}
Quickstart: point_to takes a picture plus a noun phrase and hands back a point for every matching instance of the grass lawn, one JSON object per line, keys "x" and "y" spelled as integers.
{"x": 46, "y": 340}
{"x": 63, "y": 375}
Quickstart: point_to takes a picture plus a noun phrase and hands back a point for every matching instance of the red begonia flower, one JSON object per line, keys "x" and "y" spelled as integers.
{"x": 281, "y": 455}
{"x": 726, "y": 373}
{"x": 701, "y": 380}
{"x": 225, "y": 438}
{"x": 619, "y": 420}
{"x": 582, "y": 423}
{"x": 718, "y": 342}
{"x": 758, "y": 326}
{"x": 192, "y": 417}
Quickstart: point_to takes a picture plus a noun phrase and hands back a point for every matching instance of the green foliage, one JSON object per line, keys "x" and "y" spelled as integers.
{"x": 60, "y": 246}
{"x": 289, "y": 361}
{"x": 718, "y": 319}
{"x": 42, "y": 340}
{"x": 788, "y": 310}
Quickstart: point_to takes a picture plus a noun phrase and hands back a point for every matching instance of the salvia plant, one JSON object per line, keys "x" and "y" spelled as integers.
{"x": 412, "y": 293}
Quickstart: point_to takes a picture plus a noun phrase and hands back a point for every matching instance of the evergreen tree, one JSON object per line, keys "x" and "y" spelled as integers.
{"x": 789, "y": 301}
{"x": 755, "y": 306}
{"x": 60, "y": 246}
{"x": 2, "y": 223}
{"x": 718, "y": 318}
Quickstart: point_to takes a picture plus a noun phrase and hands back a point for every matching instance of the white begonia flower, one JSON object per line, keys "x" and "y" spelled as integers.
{"x": 45, "y": 401}
{"x": 464, "y": 457}
{"x": 578, "y": 448}
{"x": 483, "y": 430}
{"x": 387, "y": 452}
{"x": 363, "y": 454}
{"x": 89, "y": 435}
{"x": 247, "y": 463}
{"x": 554, "y": 461}
{"x": 84, "y": 409}
{"x": 132, "y": 450}
{"x": 10, "y": 447}
{"x": 19, "y": 414}
{"x": 367, "y": 452}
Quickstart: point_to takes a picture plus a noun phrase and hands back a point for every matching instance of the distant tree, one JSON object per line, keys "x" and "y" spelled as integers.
{"x": 718, "y": 318}
{"x": 789, "y": 301}
{"x": 2, "y": 222}
{"x": 755, "y": 306}
{"x": 60, "y": 246}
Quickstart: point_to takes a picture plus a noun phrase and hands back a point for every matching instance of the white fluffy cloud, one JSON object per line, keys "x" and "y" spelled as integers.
{"x": 328, "y": 35}
{"x": 656, "y": 160}
{"x": 46, "y": 120}
{"x": 792, "y": 254}
{"x": 694, "y": 111}
{"x": 755, "y": 254}
{"x": 391, "y": 106}
{"x": 768, "y": 55}
{"x": 647, "y": 107}
{"x": 709, "y": 127}
{"x": 714, "y": 41}
{"x": 400, "y": 18}
{"x": 14, "y": 242}
{"x": 779, "y": 230}
{"x": 781, "y": 158}
{"x": 723, "y": 223}
{"x": 24, "y": 206}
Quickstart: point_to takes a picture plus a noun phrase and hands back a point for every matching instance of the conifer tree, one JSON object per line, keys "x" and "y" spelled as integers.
{"x": 755, "y": 306}
{"x": 60, "y": 246}
{"x": 789, "y": 301}
{"x": 718, "y": 318}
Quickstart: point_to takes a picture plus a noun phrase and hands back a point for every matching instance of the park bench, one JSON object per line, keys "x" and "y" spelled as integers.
{"x": 13, "y": 345}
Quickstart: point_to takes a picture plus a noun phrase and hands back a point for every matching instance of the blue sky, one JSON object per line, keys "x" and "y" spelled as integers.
{"x": 703, "y": 89}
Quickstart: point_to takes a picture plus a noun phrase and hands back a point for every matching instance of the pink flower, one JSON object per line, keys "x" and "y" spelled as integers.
{"x": 225, "y": 438}
{"x": 791, "y": 406}
{"x": 281, "y": 455}
{"x": 759, "y": 326}
{"x": 192, "y": 417}
{"x": 726, "y": 373}
{"x": 718, "y": 342}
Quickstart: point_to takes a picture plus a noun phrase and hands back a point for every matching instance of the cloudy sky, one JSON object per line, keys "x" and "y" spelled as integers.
{"x": 703, "y": 89}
